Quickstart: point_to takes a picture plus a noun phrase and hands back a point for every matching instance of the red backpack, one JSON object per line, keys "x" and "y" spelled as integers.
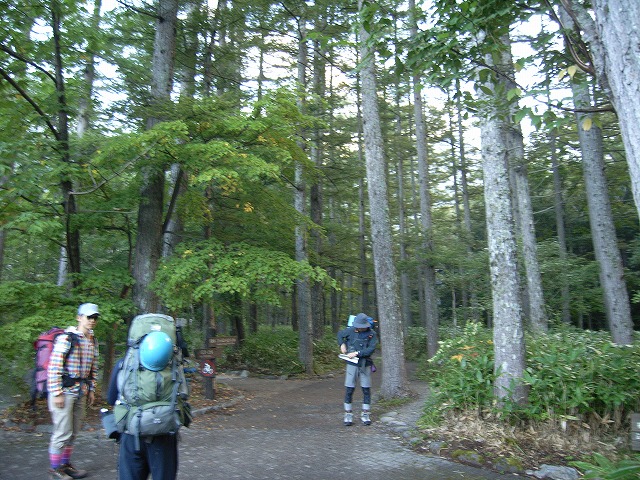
{"x": 43, "y": 346}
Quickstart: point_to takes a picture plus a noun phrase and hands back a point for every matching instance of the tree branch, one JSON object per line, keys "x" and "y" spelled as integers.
{"x": 17, "y": 56}
{"x": 117, "y": 174}
{"x": 30, "y": 100}
{"x": 587, "y": 67}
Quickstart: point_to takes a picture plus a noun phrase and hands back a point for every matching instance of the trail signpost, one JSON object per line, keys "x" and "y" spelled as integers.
{"x": 207, "y": 360}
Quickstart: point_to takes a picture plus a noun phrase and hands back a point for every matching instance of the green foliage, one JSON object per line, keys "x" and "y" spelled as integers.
{"x": 602, "y": 468}
{"x": 272, "y": 351}
{"x": 28, "y": 309}
{"x": 414, "y": 343}
{"x": 579, "y": 373}
{"x": 463, "y": 370}
{"x": 325, "y": 351}
{"x": 571, "y": 375}
{"x": 204, "y": 269}
{"x": 275, "y": 352}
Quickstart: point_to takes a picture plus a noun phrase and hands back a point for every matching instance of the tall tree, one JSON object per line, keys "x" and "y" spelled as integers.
{"x": 466, "y": 202}
{"x": 614, "y": 40}
{"x": 303, "y": 284}
{"x": 394, "y": 380}
{"x": 603, "y": 233}
{"x": 62, "y": 137}
{"x": 148, "y": 249}
{"x": 426, "y": 222}
{"x": 508, "y": 331}
{"x": 535, "y": 298}
{"x": 318, "y": 88}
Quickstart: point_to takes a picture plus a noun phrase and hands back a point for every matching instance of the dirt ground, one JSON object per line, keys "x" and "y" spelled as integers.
{"x": 465, "y": 439}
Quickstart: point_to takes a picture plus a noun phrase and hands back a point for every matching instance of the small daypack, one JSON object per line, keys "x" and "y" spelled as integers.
{"x": 43, "y": 347}
{"x": 151, "y": 402}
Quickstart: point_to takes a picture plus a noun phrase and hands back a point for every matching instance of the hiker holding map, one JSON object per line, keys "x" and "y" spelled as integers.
{"x": 357, "y": 344}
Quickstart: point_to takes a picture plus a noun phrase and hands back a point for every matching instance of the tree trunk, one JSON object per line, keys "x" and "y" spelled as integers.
{"x": 362, "y": 228}
{"x": 614, "y": 38}
{"x": 149, "y": 237}
{"x": 515, "y": 147}
{"x": 616, "y": 298}
{"x": 560, "y": 228}
{"x": 85, "y": 100}
{"x": 508, "y": 331}
{"x": 62, "y": 137}
{"x": 537, "y": 309}
{"x": 428, "y": 268}
{"x": 405, "y": 282}
{"x": 466, "y": 203}
{"x": 173, "y": 228}
{"x": 316, "y": 190}
{"x": 603, "y": 233}
{"x": 303, "y": 287}
{"x": 394, "y": 383}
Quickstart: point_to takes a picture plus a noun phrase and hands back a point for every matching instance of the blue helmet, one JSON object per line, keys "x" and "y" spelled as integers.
{"x": 155, "y": 351}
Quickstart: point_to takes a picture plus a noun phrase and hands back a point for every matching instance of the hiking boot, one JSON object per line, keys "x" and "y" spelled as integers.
{"x": 58, "y": 474}
{"x": 72, "y": 471}
{"x": 364, "y": 416}
{"x": 348, "y": 419}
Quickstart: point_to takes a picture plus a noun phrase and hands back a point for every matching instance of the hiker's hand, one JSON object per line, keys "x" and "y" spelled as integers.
{"x": 59, "y": 401}
{"x": 91, "y": 397}
{"x": 343, "y": 348}
{"x": 352, "y": 354}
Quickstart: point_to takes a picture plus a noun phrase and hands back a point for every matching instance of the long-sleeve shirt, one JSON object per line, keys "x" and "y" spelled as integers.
{"x": 82, "y": 362}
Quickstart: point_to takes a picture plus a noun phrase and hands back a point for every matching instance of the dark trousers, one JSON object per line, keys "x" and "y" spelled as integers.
{"x": 157, "y": 455}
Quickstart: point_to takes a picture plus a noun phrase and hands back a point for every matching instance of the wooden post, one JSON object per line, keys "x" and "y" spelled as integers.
{"x": 206, "y": 355}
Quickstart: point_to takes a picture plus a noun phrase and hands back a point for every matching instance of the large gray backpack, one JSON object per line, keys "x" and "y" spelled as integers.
{"x": 151, "y": 402}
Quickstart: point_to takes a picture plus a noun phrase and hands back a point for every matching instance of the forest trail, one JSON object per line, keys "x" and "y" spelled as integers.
{"x": 275, "y": 429}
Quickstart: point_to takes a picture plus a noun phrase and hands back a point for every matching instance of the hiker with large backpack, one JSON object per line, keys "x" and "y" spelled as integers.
{"x": 71, "y": 386}
{"x": 149, "y": 392}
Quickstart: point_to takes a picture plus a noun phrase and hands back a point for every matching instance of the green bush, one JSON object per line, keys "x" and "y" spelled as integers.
{"x": 414, "y": 343}
{"x": 28, "y": 309}
{"x": 570, "y": 374}
{"x": 275, "y": 352}
{"x": 574, "y": 372}
{"x": 461, "y": 373}
{"x": 602, "y": 468}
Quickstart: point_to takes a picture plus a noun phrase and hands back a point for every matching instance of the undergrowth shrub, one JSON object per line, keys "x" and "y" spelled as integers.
{"x": 414, "y": 343}
{"x": 581, "y": 375}
{"x": 275, "y": 352}
{"x": 602, "y": 468}
{"x": 571, "y": 374}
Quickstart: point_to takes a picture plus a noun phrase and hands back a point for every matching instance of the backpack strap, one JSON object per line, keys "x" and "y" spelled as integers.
{"x": 73, "y": 340}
